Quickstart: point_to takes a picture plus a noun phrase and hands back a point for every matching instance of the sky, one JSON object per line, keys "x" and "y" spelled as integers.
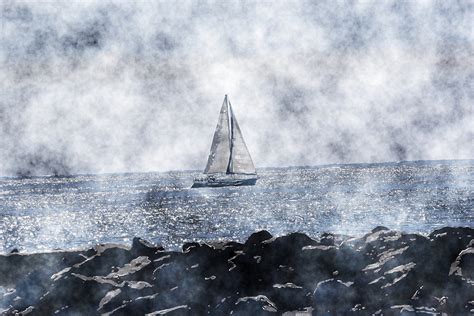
{"x": 123, "y": 86}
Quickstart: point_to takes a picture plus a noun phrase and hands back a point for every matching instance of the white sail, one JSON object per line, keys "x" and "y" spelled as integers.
{"x": 219, "y": 156}
{"x": 240, "y": 161}
{"x": 229, "y": 153}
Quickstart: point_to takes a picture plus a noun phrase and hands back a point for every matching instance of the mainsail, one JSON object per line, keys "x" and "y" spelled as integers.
{"x": 219, "y": 156}
{"x": 229, "y": 153}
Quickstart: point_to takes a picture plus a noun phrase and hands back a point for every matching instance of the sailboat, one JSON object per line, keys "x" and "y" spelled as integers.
{"x": 229, "y": 162}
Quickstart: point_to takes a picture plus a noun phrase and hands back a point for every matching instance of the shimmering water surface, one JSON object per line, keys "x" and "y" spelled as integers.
{"x": 45, "y": 213}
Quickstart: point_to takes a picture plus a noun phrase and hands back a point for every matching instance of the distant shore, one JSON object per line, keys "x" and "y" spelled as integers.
{"x": 383, "y": 272}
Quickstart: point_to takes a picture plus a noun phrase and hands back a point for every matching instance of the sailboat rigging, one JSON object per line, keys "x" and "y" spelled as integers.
{"x": 229, "y": 162}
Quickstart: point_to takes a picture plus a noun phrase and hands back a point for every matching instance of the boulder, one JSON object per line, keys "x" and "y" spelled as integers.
{"x": 384, "y": 271}
{"x": 334, "y": 297}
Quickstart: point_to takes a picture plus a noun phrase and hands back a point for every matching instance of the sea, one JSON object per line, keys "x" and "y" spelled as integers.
{"x": 39, "y": 214}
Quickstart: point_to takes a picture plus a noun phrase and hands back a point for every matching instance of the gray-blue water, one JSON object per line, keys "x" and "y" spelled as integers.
{"x": 44, "y": 213}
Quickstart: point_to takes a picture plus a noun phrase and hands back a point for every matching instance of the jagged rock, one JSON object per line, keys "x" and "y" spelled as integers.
{"x": 142, "y": 247}
{"x": 254, "y": 305}
{"x": 379, "y": 228}
{"x": 464, "y": 263}
{"x": 289, "y": 296}
{"x": 327, "y": 239}
{"x": 334, "y": 297}
{"x": 258, "y": 237}
{"x": 190, "y": 245}
{"x": 382, "y": 272}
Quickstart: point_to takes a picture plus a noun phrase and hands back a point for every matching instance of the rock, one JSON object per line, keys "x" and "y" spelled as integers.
{"x": 257, "y": 238}
{"x": 294, "y": 242}
{"x": 289, "y": 296}
{"x": 254, "y": 305}
{"x": 383, "y": 272}
{"x": 334, "y": 297}
{"x": 142, "y": 247}
{"x": 464, "y": 263}
{"x": 379, "y": 228}
{"x": 176, "y": 310}
{"x": 327, "y": 239}
{"x": 446, "y": 244}
{"x": 190, "y": 245}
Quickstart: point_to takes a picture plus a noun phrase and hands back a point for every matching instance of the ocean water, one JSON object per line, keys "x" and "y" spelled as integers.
{"x": 45, "y": 213}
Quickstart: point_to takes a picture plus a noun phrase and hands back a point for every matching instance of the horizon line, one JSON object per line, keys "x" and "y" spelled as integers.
{"x": 261, "y": 168}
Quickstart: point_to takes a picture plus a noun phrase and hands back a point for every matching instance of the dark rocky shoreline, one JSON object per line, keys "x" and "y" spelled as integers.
{"x": 385, "y": 272}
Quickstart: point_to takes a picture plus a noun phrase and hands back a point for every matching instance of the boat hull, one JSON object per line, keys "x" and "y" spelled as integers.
{"x": 223, "y": 182}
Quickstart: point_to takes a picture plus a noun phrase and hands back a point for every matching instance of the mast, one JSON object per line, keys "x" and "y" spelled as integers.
{"x": 231, "y": 134}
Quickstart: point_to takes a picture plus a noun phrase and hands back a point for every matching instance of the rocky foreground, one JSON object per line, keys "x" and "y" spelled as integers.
{"x": 385, "y": 272}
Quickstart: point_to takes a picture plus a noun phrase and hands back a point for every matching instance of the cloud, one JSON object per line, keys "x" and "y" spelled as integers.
{"x": 109, "y": 86}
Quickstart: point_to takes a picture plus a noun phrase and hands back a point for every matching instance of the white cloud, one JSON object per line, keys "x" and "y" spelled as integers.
{"x": 106, "y": 87}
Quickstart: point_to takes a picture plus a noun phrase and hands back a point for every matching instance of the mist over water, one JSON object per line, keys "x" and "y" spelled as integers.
{"x": 109, "y": 86}
{"x": 115, "y": 87}
{"x": 43, "y": 213}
